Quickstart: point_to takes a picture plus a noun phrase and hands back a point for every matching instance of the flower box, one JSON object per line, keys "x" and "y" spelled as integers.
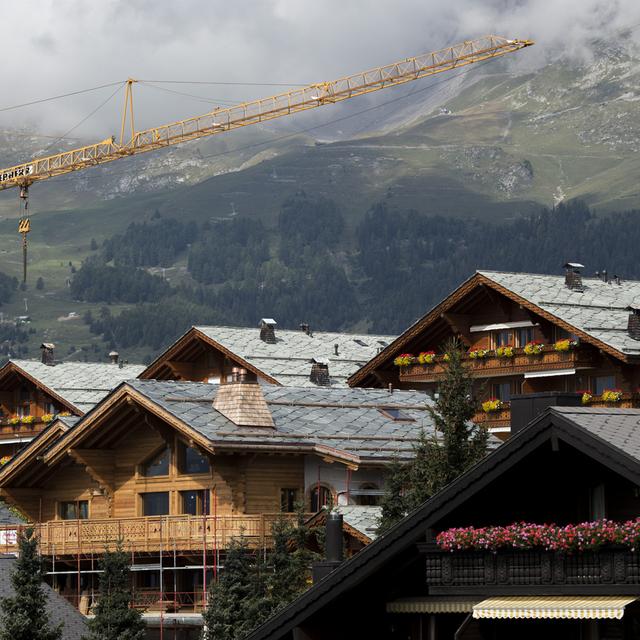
{"x": 478, "y": 354}
{"x": 565, "y": 345}
{"x": 505, "y": 352}
{"x": 611, "y": 396}
{"x": 404, "y": 360}
{"x": 572, "y": 538}
{"x": 427, "y": 357}
{"x": 492, "y": 405}
{"x": 534, "y": 348}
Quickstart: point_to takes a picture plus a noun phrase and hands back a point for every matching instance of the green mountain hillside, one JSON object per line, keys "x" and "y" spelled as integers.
{"x": 491, "y": 146}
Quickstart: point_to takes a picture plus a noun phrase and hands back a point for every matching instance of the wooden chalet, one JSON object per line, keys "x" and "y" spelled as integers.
{"x": 283, "y": 357}
{"x": 571, "y": 465}
{"x": 33, "y": 393}
{"x": 524, "y": 333}
{"x": 178, "y": 469}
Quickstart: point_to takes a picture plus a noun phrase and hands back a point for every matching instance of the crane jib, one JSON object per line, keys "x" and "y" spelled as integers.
{"x": 18, "y": 172}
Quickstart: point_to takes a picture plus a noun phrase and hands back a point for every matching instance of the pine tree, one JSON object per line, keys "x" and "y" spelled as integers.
{"x": 114, "y": 619}
{"x": 24, "y": 615}
{"x": 463, "y": 443}
{"x": 457, "y": 445}
{"x": 393, "y": 502}
{"x": 231, "y": 600}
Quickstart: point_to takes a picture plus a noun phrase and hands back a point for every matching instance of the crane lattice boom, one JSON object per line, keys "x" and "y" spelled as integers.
{"x": 247, "y": 113}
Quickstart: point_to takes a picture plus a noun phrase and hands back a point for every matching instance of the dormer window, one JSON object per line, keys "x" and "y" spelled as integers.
{"x": 158, "y": 465}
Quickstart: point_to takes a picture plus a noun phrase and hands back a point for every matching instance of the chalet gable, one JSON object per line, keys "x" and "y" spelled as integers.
{"x": 607, "y": 439}
{"x": 597, "y": 313}
{"x": 209, "y": 353}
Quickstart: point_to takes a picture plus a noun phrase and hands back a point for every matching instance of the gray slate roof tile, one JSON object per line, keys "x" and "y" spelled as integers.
{"x": 289, "y": 359}
{"x": 83, "y": 384}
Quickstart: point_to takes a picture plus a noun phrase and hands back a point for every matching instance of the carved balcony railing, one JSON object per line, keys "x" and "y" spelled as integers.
{"x": 526, "y": 572}
{"x": 146, "y": 534}
{"x": 628, "y": 401}
{"x": 492, "y": 365}
{"x": 495, "y": 421}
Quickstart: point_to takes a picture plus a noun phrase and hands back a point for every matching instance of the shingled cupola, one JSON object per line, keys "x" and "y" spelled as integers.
{"x": 268, "y": 330}
{"x": 242, "y": 401}
{"x": 633, "y": 324}
{"x": 573, "y": 276}
{"x": 47, "y": 350}
{"x": 320, "y": 372}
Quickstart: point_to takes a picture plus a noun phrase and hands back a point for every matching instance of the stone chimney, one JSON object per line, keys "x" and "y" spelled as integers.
{"x": 113, "y": 357}
{"x": 268, "y": 330}
{"x": 47, "y": 350}
{"x": 633, "y": 324}
{"x": 320, "y": 373}
{"x": 573, "y": 276}
{"x": 242, "y": 401}
{"x": 305, "y": 328}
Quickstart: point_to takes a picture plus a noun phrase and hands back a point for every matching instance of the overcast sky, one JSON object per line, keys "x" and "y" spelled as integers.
{"x": 56, "y": 46}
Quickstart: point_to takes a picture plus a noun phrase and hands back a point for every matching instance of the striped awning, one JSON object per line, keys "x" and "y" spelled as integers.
{"x": 553, "y": 607}
{"x": 431, "y": 605}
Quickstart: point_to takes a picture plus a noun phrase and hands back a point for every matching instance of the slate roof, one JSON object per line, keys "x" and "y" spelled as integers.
{"x": 83, "y": 384}
{"x": 348, "y": 420}
{"x": 600, "y": 310}
{"x": 75, "y": 626}
{"x": 620, "y": 428}
{"x": 289, "y": 359}
{"x": 364, "y": 518}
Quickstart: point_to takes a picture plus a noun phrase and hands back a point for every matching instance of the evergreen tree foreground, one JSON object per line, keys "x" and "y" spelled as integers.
{"x": 456, "y": 446}
{"x": 24, "y": 615}
{"x": 114, "y": 619}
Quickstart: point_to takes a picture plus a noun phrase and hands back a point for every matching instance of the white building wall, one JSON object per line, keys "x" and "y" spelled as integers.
{"x": 335, "y": 476}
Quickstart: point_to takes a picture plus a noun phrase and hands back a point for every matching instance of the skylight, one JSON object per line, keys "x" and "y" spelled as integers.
{"x": 395, "y": 414}
{"x": 360, "y": 342}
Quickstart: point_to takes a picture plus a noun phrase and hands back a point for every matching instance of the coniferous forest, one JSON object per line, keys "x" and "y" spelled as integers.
{"x": 378, "y": 275}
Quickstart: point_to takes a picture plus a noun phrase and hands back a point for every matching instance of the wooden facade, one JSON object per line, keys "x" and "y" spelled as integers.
{"x": 26, "y": 408}
{"x": 131, "y": 472}
{"x": 485, "y": 317}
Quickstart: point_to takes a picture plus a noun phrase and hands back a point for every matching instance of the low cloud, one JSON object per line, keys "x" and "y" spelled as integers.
{"x": 52, "y": 47}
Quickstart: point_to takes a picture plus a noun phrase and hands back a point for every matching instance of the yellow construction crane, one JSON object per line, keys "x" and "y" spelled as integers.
{"x": 219, "y": 120}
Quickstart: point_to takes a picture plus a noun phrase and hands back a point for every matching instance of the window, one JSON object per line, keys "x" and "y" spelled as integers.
{"x": 288, "y": 499}
{"x": 158, "y": 465}
{"x": 362, "y": 343}
{"x": 24, "y": 403}
{"x": 396, "y": 414}
{"x": 196, "y": 502}
{"x": 191, "y": 460}
{"x": 599, "y": 384}
{"x": 155, "y": 503}
{"x": 502, "y": 339}
{"x": 524, "y": 336}
{"x": 368, "y": 495}
{"x": 321, "y": 496}
{"x": 501, "y": 391}
{"x": 74, "y": 510}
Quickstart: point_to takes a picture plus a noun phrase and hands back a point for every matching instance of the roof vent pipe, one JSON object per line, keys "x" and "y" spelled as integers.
{"x": 268, "y": 330}
{"x": 573, "y": 276}
{"x": 113, "y": 356}
{"x": 336, "y": 349}
{"x": 333, "y": 546}
{"x": 633, "y": 324}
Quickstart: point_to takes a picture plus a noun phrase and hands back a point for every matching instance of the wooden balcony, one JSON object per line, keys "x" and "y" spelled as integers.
{"x": 491, "y": 365}
{"x": 497, "y": 422}
{"x": 21, "y": 429}
{"x": 147, "y": 534}
{"x": 628, "y": 401}
{"x": 528, "y": 572}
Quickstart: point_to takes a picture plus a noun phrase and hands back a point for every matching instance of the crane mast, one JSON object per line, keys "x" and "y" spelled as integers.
{"x": 220, "y": 120}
